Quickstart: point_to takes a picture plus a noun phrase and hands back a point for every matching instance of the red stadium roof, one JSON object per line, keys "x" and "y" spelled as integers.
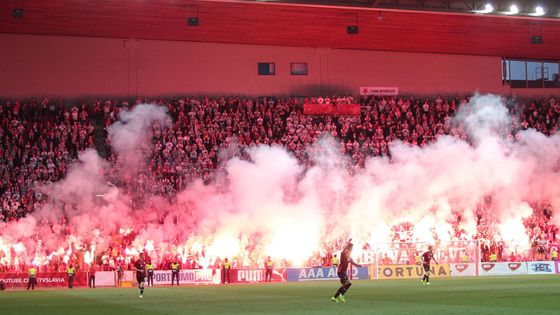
{"x": 265, "y": 23}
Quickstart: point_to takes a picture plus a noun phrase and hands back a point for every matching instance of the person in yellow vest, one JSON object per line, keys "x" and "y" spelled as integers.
{"x": 150, "y": 270}
{"x": 464, "y": 258}
{"x": 175, "y": 272}
{"x": 32, "y": 278}
{"x": 226, "y": 267}
{"x": 554, "y": 253}
{"x": 418, "y": 259}
{"x": 493, "y": 258}
{"x": 334, "y": 261}
{"x": 269, "y": 268}
{"x": 71, "y": 271}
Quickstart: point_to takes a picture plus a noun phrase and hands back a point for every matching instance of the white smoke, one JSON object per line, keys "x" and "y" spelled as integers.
{"x": 281, "y": 208}
{"x": 125, "y": 135}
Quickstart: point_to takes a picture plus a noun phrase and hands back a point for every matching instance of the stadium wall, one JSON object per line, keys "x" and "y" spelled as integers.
{"x": 37, "y": 65}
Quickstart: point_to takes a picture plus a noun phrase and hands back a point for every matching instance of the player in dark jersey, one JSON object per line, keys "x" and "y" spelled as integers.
{"x": 426, "y": 258}
{"x": 140, "y": 268}
{"x": 345, "y": 261}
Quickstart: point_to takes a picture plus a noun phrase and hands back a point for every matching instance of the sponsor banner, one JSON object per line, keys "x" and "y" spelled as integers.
{"x": 412, "y": 271}
{"x": 324, "y": 273}
{"x": 379, "y": 91}
{"x": 557, "y": 266}
{"x": 541, "y": 267}
{"x": 44, "y": 279}
{"x": 257, "y": 275}
{"x": 463, "y": 270}
{"x": 105, "y": 278}
{"x": 503, "y": 269}
{"x": 128, "y": 279}
{"x": 163, "y": 277}
{"x": 331, "y": 109}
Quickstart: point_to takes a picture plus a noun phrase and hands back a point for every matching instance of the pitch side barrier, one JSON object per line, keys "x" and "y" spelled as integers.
{"x": 109, "y": 279}
{"x": 465, "y": 269}
{"x": 503, "y": 269}
{"x": 506, "y": 268}
{"x": 323, "y": 273}
{"x": 19, "y": 280}
{"x": 257, "y": 275}
{"x": 195, "y": 276}
{"x": 543, "y": 267}
{"x": 407, "y": 271}
{"x": 161, "y": 277}
{"x": 520, "y": 268}
{"x": 214, "y": 276}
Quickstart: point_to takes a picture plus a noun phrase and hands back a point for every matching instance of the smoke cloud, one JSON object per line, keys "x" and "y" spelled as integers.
{"x": 272, "y": 205}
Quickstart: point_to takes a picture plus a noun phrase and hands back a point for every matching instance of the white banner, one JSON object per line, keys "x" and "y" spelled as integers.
{"x": 541, "y": 268}
{"x": 463, "y": 270}
{"x": 128, "y": 276}
{"x": 105, "y": 279}
{"x": 503, "y": 269}
{"x": 379, "y": 91}
{"x": 163, "y": 277}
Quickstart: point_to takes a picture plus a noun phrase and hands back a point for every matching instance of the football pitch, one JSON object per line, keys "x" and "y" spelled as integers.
{"x": 488, "y": 295}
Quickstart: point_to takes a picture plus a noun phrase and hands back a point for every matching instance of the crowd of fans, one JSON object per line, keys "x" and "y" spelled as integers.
{"x": 40, "y": 139}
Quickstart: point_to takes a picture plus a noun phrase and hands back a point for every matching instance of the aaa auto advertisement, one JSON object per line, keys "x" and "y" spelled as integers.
{"x": 324, "y": 273}
{"x": 503, "y": 268}
{"x": 44, "y": 279}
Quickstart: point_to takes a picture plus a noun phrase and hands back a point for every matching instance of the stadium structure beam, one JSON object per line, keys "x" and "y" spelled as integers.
{"x": 526, "y": 6}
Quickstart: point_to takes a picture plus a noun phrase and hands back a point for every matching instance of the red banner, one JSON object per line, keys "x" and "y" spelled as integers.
{"x": 44, "y": 279}
{"x": 331, "y": 109}
{"x": 257, "y": 275}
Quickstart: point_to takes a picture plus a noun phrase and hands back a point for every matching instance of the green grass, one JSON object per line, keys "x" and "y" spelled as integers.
{"x": 495, "y": 295}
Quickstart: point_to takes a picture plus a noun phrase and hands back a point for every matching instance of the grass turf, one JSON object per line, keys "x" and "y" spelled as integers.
{"x": 488, "y": 295}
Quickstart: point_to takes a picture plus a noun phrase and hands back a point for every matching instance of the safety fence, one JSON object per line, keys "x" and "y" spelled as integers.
{"x": 215, "y": 276}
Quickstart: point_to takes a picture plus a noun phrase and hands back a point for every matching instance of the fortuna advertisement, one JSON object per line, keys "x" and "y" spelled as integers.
{"x": 412, "y": 271}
